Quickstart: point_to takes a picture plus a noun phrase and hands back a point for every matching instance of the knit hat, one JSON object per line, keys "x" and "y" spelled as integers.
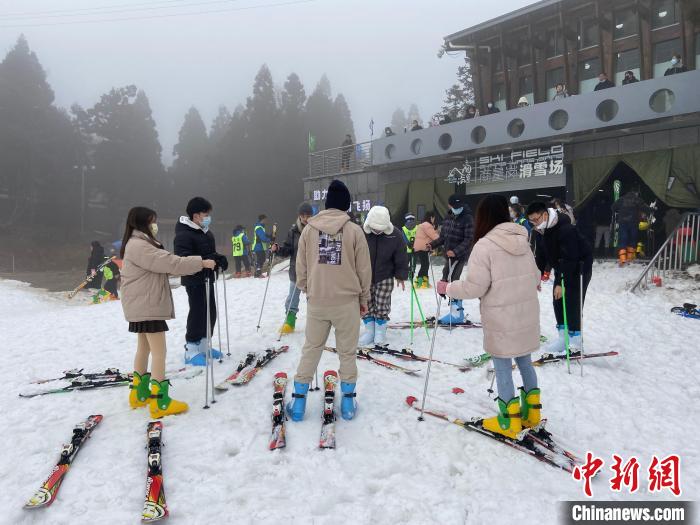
{"x": 305, "y": 209}
{"x": 338, "y": 197}
{"x": 456, "y": 200}
{"x": 409, "y": 217}
{"x": 379, "y": 220}
{"x": 514, "y": 200}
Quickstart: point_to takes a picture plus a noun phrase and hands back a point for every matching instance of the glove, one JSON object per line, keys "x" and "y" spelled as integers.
{"x": 442, "y": 288}
{"x": 222, "y": 261}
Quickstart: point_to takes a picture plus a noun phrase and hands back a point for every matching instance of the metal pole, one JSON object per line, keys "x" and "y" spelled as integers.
{"x": 218, "y": 312}
{"x": 432, "y": 348}
{"x": 580, "y": 313}
{"x": 267, "y": 285}
{"x": 432, "y": 274}
{"x": 206, "y": 382}
{"x": 228, "y": 338}
{"x": 210, "y": 360}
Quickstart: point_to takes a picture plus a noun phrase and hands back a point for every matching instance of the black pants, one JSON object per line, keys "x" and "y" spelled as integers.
{"x": 424, "y": 260}
{"x": 239, "y": 261}
{"x": 111, "y": 287}
{"x": 412, "y": 260}
{"x": 456, "y": 272}
{"x": 197, "y": 317}
{"x": 259, "y": 263}
{"x": 573, "y": 303}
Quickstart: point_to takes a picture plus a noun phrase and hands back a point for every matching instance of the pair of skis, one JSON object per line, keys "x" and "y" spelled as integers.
{"x": 154, "y": 508}
{"x": 430, "y": 323}
{"x": 558, "y": 358}
{"x": 249, "y": 367}
{"x": 536, "y": 442}
{"x": 278, "y": 436}
{"x": 366, "y": 355}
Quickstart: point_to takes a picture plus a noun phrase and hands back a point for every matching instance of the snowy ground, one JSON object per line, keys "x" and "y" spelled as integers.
{"x": 388, "y": 467}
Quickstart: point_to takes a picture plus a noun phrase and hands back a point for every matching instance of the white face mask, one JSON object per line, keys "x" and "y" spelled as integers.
{"x": 154, "y": 228}
{"x": 674, "y": 61}
{"x": 541, "y": 226}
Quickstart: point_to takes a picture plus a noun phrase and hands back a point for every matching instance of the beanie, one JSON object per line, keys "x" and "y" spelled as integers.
{"x": 338, "y": 196}
{"x": 456, "y": 200}
{"x": 305, "y": 209}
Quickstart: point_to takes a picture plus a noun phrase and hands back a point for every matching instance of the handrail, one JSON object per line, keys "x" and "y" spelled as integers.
{"x": 679, "y": 249}
{"x": 349, "y": 158}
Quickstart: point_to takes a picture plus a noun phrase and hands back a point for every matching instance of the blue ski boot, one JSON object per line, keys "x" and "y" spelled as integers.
{"x": 557, "y": 346}
{"x": 194, "y": 354}
{"x": 380, "y": 333}
{"x": 367, "y": 338}
{"x": 456, "y": 314}
{"x": 348, "y": 405}
{"x": 297, "y": 406}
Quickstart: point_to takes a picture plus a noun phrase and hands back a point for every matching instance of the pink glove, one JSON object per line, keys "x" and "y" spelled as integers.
{"x": 442, "y": 287}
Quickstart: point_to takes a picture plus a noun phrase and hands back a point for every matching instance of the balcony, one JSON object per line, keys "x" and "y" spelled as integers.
{"x": 345, "y": 159}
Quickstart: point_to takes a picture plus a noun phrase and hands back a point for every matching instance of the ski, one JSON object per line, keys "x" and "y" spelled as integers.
{"x": 573, "y": 356}
{"x": 46, "y": 494}
{"x": 527, "y": 444}
{"x": 278, "y": 439}
{"x": 154, "y": 506}
{"x": 330, "y": 380}
{"x": 245, "y": 364}
{"x": 247, "y": 373}
{"x": 410, "y": 356}
{"x": 687, "y": 310}
{"x": 366, "y": 356}
{"x": 99, "y": 382}
{"x": 78, "y": 372}
{"x": 90, "y": 278}
{"x": 430, "y": 323}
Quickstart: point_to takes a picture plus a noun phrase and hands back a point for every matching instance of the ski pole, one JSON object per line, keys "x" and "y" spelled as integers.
{"x": 267, "y": 285}
{"x": 420, "y": 311}
{"x": 452, "y": 266}
{"x": 413, "y": 293}
{"x": 218, "y": 312}
{"x": 432, "y": 348}
{"x": 493, "y": 380}
{"x": 228, "y": 338}
{"x": 566, "y": 325}
{"x": 206, "y": 356}
{"x": 580, "y": 313}
{"x": 432, "y": 274}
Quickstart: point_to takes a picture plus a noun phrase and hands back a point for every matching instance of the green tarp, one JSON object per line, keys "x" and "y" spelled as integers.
{"x": 667, "y": 172}
{"x": 403, "y": 197}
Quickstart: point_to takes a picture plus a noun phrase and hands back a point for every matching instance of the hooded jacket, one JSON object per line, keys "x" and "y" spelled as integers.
{"x": 457, "y": 233}
{"x": 388, "y": 255}
{"x": 191, "y": 239}
{"x": 425, "y": 234}
{"x": 503, "y": 275}
{"x": 145, "y": 289}
{"x": 290, "y": 246}
{"x": 332, "y": 265}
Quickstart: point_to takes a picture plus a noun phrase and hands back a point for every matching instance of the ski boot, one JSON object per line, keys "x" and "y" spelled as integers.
{"x": 530, "y": 407}
{"x": 140, "y": 390}
{"x": 289, "y": 323}
{"x": 508, "y": 421}
{"x": 237, "y": 275}
{"x": 195, "y": 353}
{"x": 297, "y": 406}
{"x": 380, "y": 332}
{"x": 557, "y": 346}
{"x": 348, "y": 405}
{"x": 426, "y": 283}
{"x": 367, "y": 338}
{"x": 575, "y": 342}
{"x": 161, "y": 404}
{"x": 418, "y": 283}
{"x": 456, "y": 314}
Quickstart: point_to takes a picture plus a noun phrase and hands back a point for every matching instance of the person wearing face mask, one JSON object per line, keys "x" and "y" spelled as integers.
{"x": 289, "y": 249}
{"x": 389, "y": 259}
{"x": 517, "y": 215}
{"x": 676, "y": 66}
{"x": 491, "y": 108}
{"x": 148, "y": 303}
{"x": 629, "y": 78}
{"x": 193, "y": 237}
{"x": 570, "y": 256}
{"x": 456, "y": 238}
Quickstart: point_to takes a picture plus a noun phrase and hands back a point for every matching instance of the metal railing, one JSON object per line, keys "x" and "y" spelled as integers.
{"x": 679, "y": 251}
{"x": 344, "y": 159}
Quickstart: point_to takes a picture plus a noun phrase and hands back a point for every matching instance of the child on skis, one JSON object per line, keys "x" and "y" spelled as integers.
{"x": 147, "y": 303}
{"x": 387, "y": 250}
{"x": 503, "y": 275}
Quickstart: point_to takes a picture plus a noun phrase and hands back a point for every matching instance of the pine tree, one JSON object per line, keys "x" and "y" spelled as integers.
{"x": 460, "y": 95}
{"x": 399, "y": 122}
{"x": 220, "y": 125}
{"x": 190, "y": 171}
{"x": 413, "y": 114}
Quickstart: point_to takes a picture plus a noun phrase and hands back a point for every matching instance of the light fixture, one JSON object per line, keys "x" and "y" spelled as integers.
{"x": 586, "y": 66}
{"x": 619, "y": 26}
{"x": 662, "y": 14}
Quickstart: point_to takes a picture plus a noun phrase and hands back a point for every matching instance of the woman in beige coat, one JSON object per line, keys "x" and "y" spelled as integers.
{"x": 147, "y": 303}
{"x": 502, "y": 273}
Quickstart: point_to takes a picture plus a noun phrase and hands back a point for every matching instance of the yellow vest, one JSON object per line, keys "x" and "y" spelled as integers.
{"x": 237, "y": 242}
{"x": 411, "y": 236}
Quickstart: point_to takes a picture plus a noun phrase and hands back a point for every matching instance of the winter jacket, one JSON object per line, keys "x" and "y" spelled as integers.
{"x": 190, "y": 239}
{"x": 605, "y": 84}
{"x": 290, "y": 246}
{"x": 675, "y": 70}
{"x": 503, "y": 275}
{"x": 426, "y": 234}
{"x": 457, "y": 234}
{"x": 97, "y": 257}
{"x": 260, "y": 238}
{"x": 564, "y": 249}
{"x": 333, "y": 266}
{"x": 145, "y": 289}
{"x": 629, "y": 208}
{"x": 388, "y": 256}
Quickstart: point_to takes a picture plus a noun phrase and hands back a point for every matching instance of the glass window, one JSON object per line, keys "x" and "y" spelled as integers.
{"x": 663, "y": 51}
{"x": 630, "y": 60}
{"x": 552, "y": 78}
{"x": 499, "y": 96}
{"x": 588, "y": 72}
{"x": 555, "y": 43}
{"x": 625, "y": 22}
{"x": 526, "y": 89}
{"x": 524, "y": 57}
{"x": 497, "y": 59}
{"x": 588, "y": 34}
{"x": 697, "y": 50}
{"x": 664, "y": 13}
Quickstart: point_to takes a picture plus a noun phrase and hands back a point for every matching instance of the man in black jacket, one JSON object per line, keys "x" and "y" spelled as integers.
{"x": 193, "y": 237}
{"x": 289, "y": 249}
{"x": 456, "y": 235}
{"x": 603, "y": 82}
{"x": 571, "y": 257}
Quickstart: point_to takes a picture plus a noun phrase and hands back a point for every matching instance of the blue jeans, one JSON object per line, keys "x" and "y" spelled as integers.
{"x": 504, "y": 375}
{"x": 291, "y": 304}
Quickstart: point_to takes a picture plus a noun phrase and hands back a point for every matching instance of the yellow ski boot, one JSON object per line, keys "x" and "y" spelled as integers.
{"x": 289, "y": 323}
{"x": 139, "y": 390}
{"x": 161, "y": 404}
{"x": 507, "y": 422}
{"x": 530, "y": 407}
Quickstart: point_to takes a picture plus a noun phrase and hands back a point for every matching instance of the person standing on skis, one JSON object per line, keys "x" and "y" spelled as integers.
{"x": 260, "y": 245}
{"x": 289, "y": 249}
{"x": 565, "y": 250}
{"x": 503, "y": 275}
{"x": 335, "y": 273}
{"x": 456, "y": 237}
{"x": 387, "y": 251}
